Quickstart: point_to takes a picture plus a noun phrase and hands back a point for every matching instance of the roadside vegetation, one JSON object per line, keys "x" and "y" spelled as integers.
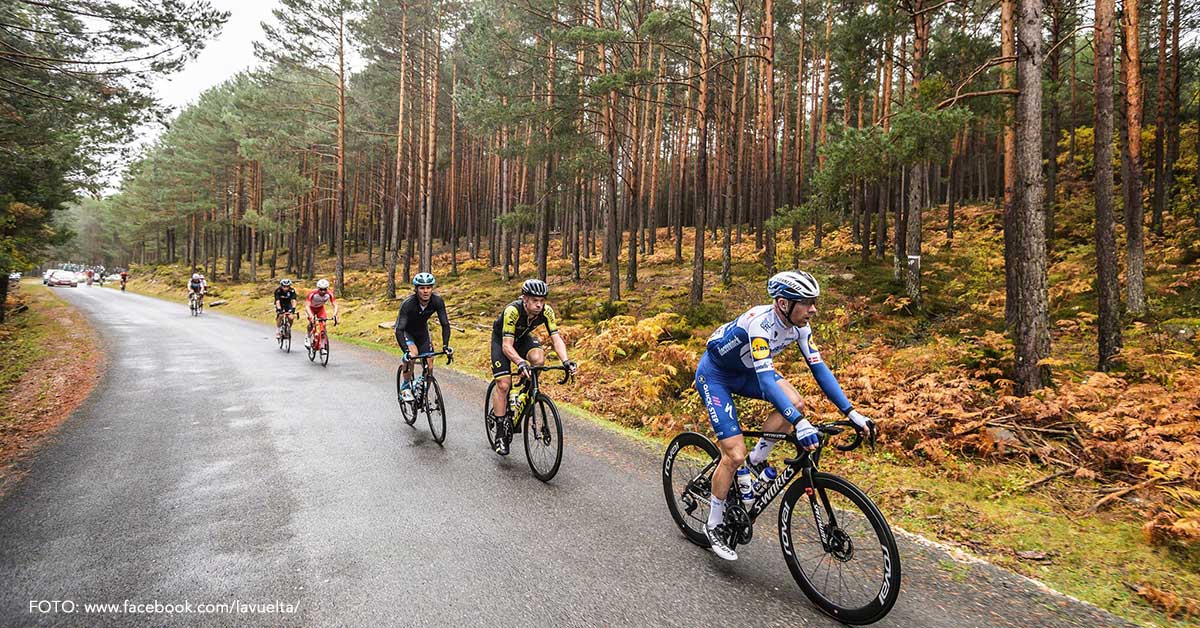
{"x": 51, "y": 363}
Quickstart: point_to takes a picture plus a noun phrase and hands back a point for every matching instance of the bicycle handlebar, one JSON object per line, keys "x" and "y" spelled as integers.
{"x": 429, "y": 354}
{"x": 561, "y": 367}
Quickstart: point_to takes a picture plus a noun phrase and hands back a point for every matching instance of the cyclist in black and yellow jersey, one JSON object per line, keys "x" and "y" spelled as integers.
{"x": 513, "y": 342}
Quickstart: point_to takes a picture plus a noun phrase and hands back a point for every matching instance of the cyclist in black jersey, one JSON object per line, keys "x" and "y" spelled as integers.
{"x": 513, "y": 342}
{"x": 285, "y": 304}
{"x": 412, "y": 325}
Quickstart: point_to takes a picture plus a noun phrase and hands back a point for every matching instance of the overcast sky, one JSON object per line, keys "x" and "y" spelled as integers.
{"x": 228, "y": 54}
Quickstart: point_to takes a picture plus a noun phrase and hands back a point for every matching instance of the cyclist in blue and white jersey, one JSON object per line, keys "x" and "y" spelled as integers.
{"x": 737, "y": 360}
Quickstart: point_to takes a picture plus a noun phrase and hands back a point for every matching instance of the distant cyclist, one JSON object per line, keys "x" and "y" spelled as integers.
{"x": 513, "y": 342}
{"x": 285, "y": 304}
{"x": 412, "y": 325}
{"x": 737, "y": 360}
{"x": 197, "y": 286}
{"x": 315, "y": 306}
{"x": 124, "y": 278}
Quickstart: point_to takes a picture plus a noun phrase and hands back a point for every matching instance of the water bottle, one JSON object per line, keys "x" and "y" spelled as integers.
{"x": 746, "y": 487}
{"x": 521, "y": 399}
{"x": 765, "y": 479}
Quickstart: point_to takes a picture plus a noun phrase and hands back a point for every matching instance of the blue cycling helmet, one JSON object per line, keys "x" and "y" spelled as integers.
{"x": 424, "y": 279}
{"x": 793, "y": 285}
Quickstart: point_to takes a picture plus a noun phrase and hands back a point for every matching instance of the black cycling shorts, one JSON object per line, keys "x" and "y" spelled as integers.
{"x": 423, "y": 341}
{"x": 501, "y": 365}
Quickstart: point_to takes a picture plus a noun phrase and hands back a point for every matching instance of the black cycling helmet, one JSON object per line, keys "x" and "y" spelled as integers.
{"x": 535, "y": 288}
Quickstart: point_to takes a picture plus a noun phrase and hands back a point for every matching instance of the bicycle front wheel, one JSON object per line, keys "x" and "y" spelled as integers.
{"x": 324, "y": 350}
{"x": 839, "y": 549}
{"x": 543, "y": 438}
{"x": 435, "y": 411}
{"x": 407, "y": 411}
{"x": 687, "y": 472}
{"x": 490, "y": 425}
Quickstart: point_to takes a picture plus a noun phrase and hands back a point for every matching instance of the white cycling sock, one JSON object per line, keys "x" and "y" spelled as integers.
{"x": 762, "y": 449}
{"x": 716, "y": 511}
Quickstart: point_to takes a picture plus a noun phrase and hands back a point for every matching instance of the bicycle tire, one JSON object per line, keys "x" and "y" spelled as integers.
{"x": 435, "y": 411}
{"x": 853, "y": 511}
{"x": 489, "y": 425}
{"x": 287, "y": 337}
{"x": 542, "y": 434}
{"x": 407, "y": 411}
{"x": 324, "y": 349}
{"x": 312, "y": 348}
{"x": 688, "y": 488}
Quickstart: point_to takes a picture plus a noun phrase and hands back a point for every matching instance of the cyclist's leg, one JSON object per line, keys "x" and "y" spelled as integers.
{"x": 531, "y": 349}
{"x": 774, "y": 421}
{"x": 424, "y": 344}
{"x": 714, "y": 390}
{"x": 501, "y": 372}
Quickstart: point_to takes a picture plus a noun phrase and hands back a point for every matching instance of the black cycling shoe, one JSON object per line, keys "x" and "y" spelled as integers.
{"x": 502, "y": 438}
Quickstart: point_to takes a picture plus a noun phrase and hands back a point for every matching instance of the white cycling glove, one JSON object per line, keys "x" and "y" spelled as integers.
{"x": 865, "y": 426}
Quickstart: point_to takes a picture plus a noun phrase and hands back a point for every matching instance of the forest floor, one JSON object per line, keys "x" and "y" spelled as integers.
{"x": 1092, "y": 485}
{"x": 51, "y": 363}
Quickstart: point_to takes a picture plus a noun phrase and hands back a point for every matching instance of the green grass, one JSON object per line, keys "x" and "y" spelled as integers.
{"x": 22, "y": 341}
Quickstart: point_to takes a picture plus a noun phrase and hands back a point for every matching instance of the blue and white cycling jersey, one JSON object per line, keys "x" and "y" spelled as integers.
{"x": 738, "y": 360}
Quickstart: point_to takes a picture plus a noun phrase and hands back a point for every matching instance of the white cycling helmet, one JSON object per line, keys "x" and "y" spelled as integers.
{"x": 793, "y": 285}
{"x": 195, "y": 275}
{"x": 322, "y": 284}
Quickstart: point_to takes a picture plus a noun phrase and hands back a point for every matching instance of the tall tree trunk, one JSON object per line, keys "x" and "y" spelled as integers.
{"x": 398, "y": 192}
{"x": 1135, "y": 281}
{"x": 1031, "y": 334}
{"x": 426, "y": 233}
{"x": 696, "y": 294}
{"x": 1109, "y": 330}
{"x": 1160, "y": 126}
{"x": 612, "y": 239}
{"x": 1008, "y": 51}
{"x": 1054, "y": 63}
{"x": 768, "y": 131}
{"x": 340, "y": 219}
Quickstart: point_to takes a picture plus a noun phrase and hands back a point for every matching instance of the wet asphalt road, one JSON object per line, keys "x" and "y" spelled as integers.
{"x": 209, "y": 467}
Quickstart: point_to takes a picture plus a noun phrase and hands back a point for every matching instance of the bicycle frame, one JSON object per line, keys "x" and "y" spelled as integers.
{"x": 319, "y": 332}
{"x": 804, "y": 464}
{"x": 425, "y": 366}
{"x": 533, "y": 387}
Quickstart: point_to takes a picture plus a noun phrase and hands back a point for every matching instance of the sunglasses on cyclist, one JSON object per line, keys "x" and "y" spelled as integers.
{"x": 809, "y": 302}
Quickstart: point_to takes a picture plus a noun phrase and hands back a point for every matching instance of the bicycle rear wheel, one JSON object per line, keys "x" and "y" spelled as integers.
{"x": 543, "y": 438}
{"x": 839, "y": 549}
{"x": 687, "y": 472}
{"x": 324, "y": 349}
{"x": 312, "y": 348}
{"x": 435, "y": 411}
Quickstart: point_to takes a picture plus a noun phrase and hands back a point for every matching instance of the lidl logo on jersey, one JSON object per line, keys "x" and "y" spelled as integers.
{"x": 759, "y": 348}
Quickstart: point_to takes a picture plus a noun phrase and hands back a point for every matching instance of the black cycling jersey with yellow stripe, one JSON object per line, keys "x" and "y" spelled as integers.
{"x": 513, "y": 322}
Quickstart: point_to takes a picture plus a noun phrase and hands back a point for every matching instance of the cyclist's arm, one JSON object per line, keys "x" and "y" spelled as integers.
{"x": 444, "y": 321}
{"x": 764, "y": 370}
{"x": 402, "y": 336}
{"x": 560, "y": 347}
{"x": 335, "y": 305}
{"x": 825, "y": 379}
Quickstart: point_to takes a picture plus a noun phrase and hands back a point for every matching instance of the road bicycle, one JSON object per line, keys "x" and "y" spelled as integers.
{"x": 835, "y": 541}
{"x": 285, "y": 332}
{"x": 122, "y": 285}
{"x": 538, "y": 421}
{"x": 195, "y": 303}
{"x": 318, "y": 342}
{"x": 427, "y": 395}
